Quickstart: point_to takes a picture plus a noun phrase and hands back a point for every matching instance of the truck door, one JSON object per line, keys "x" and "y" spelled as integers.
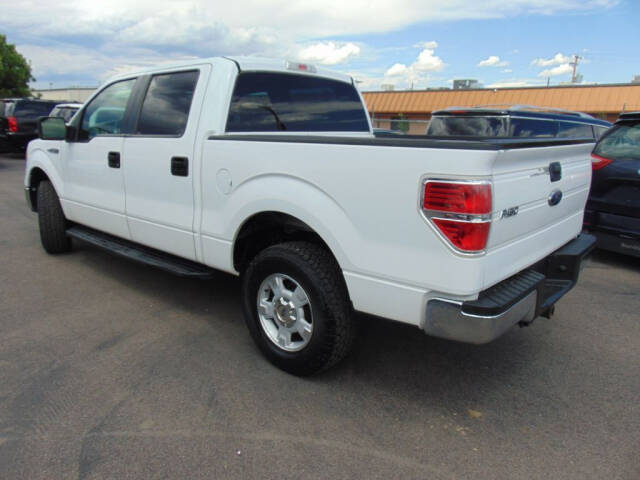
{"x": 94, "y": 185}
{"x": 158, "y": 161}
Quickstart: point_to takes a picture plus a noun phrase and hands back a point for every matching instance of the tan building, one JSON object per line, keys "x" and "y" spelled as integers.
{"x": 71, "y": 94}
{"x": 601, "y": 101}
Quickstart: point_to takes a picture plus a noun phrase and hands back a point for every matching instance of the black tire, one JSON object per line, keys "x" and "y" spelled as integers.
{"x": 315, "y": 269}
{"x": 51, "y": 220}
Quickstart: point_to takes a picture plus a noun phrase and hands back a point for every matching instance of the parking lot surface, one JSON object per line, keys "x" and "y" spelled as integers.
{"x": 109, "y": 369}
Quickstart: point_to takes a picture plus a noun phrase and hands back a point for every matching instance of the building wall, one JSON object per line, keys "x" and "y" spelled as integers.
{"x": 601, "y": 101}
{"x": 79, "y": 95}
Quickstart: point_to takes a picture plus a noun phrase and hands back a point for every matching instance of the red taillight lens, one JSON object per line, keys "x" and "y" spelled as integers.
{"x": 461, "y": 211}
{"x": 467, "y": 236}
{"x": 598, "y": 162}
{"x": 13, "y": 124}
{"x": 465, "y": 198}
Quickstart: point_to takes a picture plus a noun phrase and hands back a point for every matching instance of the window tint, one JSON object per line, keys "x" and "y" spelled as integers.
{"x": 63, "y": 112}
{"x": 574, "y": 130}
{"x": 599, "y": 131}
{"x": 622, "y": 143}
{"x": 526, "y": 127}
{"x": 6, "y": 108}
{"x": 165, "y": 109}
{"x": 471, "y": 126}
{"x": 32, "y": 109}
{"x": 105, "y": 112}
{"x": 266, "y": 102}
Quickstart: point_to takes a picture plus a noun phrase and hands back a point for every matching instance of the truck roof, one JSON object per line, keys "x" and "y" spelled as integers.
{"x": 247, "y": 64}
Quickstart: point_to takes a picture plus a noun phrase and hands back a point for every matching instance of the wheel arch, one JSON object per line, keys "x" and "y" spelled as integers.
{"x": 263, "y": 229}
{"x": 39, "y": 168}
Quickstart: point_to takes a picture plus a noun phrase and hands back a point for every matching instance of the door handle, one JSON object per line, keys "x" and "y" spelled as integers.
{"x": 114, "y": 159}
{"x": 180, "y": 166}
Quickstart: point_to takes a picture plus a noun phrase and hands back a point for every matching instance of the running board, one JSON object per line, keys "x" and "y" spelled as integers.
{"x": 140, "y": 253}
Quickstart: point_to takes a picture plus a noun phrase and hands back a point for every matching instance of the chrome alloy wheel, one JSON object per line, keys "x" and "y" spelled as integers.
{"x": 285, "y": 312}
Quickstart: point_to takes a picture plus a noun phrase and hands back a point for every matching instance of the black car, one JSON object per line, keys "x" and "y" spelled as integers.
{"x": 613, "y": 208}
{"x": 515, "y": 121}
{"x": 19, "y": 121}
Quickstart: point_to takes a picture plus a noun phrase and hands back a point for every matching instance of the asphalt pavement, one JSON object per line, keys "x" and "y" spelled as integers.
{"x": 110, "y": 369}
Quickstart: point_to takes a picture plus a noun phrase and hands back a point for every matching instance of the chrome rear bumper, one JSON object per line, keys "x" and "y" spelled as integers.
{"x": 446, "y": 319}
{"x": 519, "y": 299}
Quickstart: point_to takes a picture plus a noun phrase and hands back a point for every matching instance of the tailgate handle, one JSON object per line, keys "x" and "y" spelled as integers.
{"x": 555, "y": 171}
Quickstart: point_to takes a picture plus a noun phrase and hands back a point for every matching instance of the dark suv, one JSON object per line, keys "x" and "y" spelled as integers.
{"x": 19, "y": 121}
{"x": 613, "y": 208}
{"x": 515, "y": 121}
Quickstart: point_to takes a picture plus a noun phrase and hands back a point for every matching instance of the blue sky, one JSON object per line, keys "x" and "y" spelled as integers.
{"x": 426, "y": 43}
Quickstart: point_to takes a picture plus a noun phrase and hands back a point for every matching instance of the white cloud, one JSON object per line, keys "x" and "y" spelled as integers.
{"x": 555, "y": 71}
{"x": 431, "y": 45}
{"x": 493, "y": 61}
{"x": 427, "y": 62}
{"x": 507, "y": 70}
{"x": 309, "y": 19}
{"x": 133, "y": 32}
{"x": 397, "y": 70}
{"x": 515, "y": 84}
{"x": 558, "y": 59}
{"x": 329, "y": 53}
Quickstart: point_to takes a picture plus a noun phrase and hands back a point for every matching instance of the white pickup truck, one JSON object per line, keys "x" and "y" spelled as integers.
{"x": 269, "y": 170}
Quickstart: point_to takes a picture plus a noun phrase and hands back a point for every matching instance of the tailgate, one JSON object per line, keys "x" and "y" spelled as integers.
{"x": 533, "y": 213}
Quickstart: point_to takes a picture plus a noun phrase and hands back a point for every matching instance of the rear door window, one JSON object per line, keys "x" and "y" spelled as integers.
{"x": 623, "y": 143}
{"x": 600, "y": 131}
{"x": 271, "y": 102}
{"x": 166, "y": 105}
{"x": 574, "y": 130}
{"x": 528, "y": 127}
{"x": 469, "y": 126}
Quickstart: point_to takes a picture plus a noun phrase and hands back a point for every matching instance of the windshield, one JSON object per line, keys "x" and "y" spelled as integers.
{"x": 623, "y": 143}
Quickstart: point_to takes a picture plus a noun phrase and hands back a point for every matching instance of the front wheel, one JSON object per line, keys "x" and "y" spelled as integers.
{"x": 297, "y": 307}
{"x": 51, "y": 220}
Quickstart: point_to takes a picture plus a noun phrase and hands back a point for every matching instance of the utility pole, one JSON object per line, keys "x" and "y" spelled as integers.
{"x": 574, "y": 64}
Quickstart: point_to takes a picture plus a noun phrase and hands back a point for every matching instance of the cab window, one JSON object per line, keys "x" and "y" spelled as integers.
{"x": 166, "y": 105}
{"x": 104, "y": 114}
{"x": 574, "y": 130}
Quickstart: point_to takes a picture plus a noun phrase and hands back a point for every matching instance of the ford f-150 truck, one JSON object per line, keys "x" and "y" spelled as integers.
{"x": 270, "y": 170}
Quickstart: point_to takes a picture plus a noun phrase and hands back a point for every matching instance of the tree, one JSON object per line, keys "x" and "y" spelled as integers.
{"x": 15, "y": 71}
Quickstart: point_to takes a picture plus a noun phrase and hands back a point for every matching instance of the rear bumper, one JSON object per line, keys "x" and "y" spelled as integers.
{"x": 16, "y": 141}
{"x": 519, "y": 299}
{"x": 614, "y": 232}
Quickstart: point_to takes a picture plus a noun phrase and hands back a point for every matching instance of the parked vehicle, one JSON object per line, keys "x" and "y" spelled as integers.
{"x": 613, "y": 208}
{"x": 65, "y": 110}
{"x": 515, "y": 121}
{"x": 19, "y": 121}
{"x": 270, "y": 170}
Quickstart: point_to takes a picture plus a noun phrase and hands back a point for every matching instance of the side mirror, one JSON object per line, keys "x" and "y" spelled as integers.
{"x": 52, "y": 128}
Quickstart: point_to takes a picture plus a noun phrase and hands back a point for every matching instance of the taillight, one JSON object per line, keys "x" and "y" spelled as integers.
{"x": 467, "y": 198}
{"x": 13, "y": 124}
{"x": 598, "y": 162}
{"x": 460, "y": 211}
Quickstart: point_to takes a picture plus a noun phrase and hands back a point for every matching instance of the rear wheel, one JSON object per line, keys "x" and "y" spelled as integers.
{"x": 297, "y": 307}
{"x": 51, "y": 220}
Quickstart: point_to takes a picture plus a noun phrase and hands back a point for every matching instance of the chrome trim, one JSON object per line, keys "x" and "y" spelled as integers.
{"x": 428, "y": 215}
{"x": 445, "y": 319}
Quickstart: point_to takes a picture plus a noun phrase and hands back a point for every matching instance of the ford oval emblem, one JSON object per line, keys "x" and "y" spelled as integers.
{"x": 554, "y": 197}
